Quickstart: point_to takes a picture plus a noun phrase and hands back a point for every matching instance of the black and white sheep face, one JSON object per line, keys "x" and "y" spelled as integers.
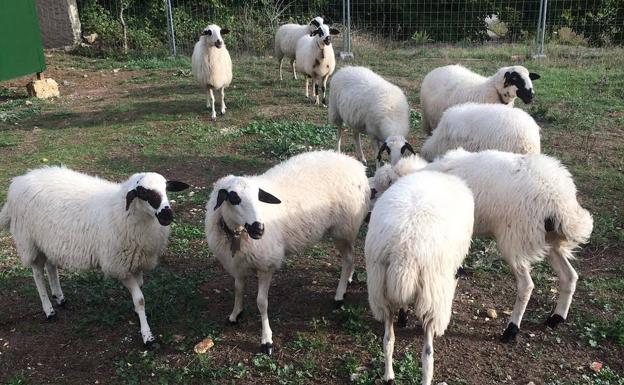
{"x": 212, "y": 35}
{"x": 517, "y": 81}
{"x": 151, "y": 191}
{"x": 324, "y": 34}
{"x": 239, "y": 200}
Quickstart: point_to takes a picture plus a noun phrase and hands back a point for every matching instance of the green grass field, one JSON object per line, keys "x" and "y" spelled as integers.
{"x": 117, "y": 118}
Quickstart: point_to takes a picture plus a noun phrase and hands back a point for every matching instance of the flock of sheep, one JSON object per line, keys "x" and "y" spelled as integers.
{"x": 482, "y": 174}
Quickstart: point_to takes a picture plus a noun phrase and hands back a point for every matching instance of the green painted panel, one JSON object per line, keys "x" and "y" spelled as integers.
{"x": 21, "y": 51}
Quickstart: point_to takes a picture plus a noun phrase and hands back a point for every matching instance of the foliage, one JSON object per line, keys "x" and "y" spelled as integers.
{"x": 567, "y": 36}
{"x": 282, "y": 139}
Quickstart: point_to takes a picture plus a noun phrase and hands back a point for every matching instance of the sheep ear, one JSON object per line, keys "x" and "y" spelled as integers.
{"x": 130, "y": 197}
{"x": 334, "y": 31}
{"x": 381, "y": 150}
{"x": 534, "y": 76}
{"x": 204, "y": 32}
{"x": 222, "y": 196}
{"x": 265, "y": 197}
{"x": 315, "y": 23}
{"x": 174, "y": 186}
{"x": 407, "y": 147}
{"x": 224, "y": 31}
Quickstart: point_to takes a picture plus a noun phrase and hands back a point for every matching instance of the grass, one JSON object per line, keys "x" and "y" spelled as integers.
{"x": 150, "y": 115}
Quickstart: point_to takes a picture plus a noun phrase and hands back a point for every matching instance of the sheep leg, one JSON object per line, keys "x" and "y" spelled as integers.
{"x": 339, "y": 132}
{"x": 376, "y": 145}
{"x": 567, "y": 285}
{"x": 55, "y": 284}
{"x": 306, "y": 86}
{"x": 38, "y": 275}
{"x": 292, "y": 63}
{"x": 388, "y": 348}
{"x": 524, "y": 285}
{"x": 211, "y": 99}
{"x": 358, "y": 146}
{"x": 264, "y": 281}
{"x": 323, "y": 88}
{"x": 139, "y": 278}
{"x": 279, "y": 60}
{"x": 316, "y": 93}
{"x": 139, "y": 307}
{"x": 239, "y": 287}
{"x": 427, "y": 355}
{"x": 223, "y": 101}
{"x": 346, "y": 275}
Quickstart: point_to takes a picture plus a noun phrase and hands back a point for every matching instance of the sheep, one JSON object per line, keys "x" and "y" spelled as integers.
{"x": 479, "y": 127}
{"x": 63, "y": 218}
{"x": 368, "y": 103}
{"x": 528, "y": 204}
{"x": 212, "y": 65}
{"x": 418, "y": 236}
{"x": 314, "y": 58}
{"x": 450, "y": 85}
{"x": 286, "y": 39}
{"x": 253, "y": 222}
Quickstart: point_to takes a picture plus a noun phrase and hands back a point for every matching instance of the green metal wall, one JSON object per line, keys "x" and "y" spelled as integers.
{"x": 21, "y": 51}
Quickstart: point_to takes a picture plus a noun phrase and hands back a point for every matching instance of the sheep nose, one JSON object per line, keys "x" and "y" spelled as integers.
{"x": 255, "y": 230}
{"x": 165, "y": 216}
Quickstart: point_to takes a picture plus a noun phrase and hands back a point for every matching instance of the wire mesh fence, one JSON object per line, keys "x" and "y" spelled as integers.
{"x": 163, "y": 27}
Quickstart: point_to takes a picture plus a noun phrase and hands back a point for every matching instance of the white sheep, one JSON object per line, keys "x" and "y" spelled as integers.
{"x": 528, "y": 203}
{"x": 310, "y": 194}
{"x": 479, "y": 127}
{"x": 286, "y": 39}
{"x": 212, "y": 65}
{"x": 62, "y": 218}
{"x": 368, "y": 103}
{"x": 450, "y": 85}
{"x": 419, "y": 234}
{"x": 314, "y": 58}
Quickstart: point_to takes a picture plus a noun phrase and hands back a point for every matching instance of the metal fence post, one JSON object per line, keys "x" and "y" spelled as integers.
{"x": 346, "y": 43}
{"x": 172, "y": 40}
{"x": 541, "y": 30}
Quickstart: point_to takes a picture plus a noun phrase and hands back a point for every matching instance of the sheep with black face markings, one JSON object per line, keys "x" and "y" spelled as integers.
{"x": 528, "y": 204}
{"x": 212, "y": 65}
{"x": 254, "y": 222}
{"x": 315, "y": 59}
{"x": 286, "y": 39}
{"x": 418, "y": 236}
{"x": 447, "y": 86}
{"x": 480, "y": 127}
{"x": 62, "y": 218}
{"x": 370, "y": 104}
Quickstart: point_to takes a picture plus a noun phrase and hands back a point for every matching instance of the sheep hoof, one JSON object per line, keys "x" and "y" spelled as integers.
{"x": 150, "y": 344}
{"x": 213, "y": 118}
{"x": 510, "y": 333}
{"x": 554, "y": 320}
{"x": 402, "y": 321}
{"x": 267, "y": 348}
{"x": 52, "y": 316}
{"x": 339, "y": 303}
{"x": 235, "y": 322}
{"x": 60, "y": 303}
{"x": 390, "y": 382}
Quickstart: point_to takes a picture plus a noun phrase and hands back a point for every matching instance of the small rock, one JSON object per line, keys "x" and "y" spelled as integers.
{"x": 442, "y": 383}
{"x": 191, "y": 193}
{"x": 28, "y": 103}
{"x": 203, "y": 346}
{"x": 115, "y": 70}
{"x": 43, "y": 89}
{"x": 65, "y": 83}
{"x": 85, "y": 76}
{"x": 91, "y": 38}
{"x": 531, "y": 383}
{"x": 492, "y": 313}
{"x": 44, "y": 160}
{"x": 596, "y": 366}
{"x": 177, "y": 338}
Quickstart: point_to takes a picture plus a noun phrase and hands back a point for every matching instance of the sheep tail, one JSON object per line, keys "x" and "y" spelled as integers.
{"x": 5, "y": 218}
{"x": 574, "y": 225}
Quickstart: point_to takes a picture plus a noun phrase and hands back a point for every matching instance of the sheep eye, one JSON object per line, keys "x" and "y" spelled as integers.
{"x": 209, "y": 33}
